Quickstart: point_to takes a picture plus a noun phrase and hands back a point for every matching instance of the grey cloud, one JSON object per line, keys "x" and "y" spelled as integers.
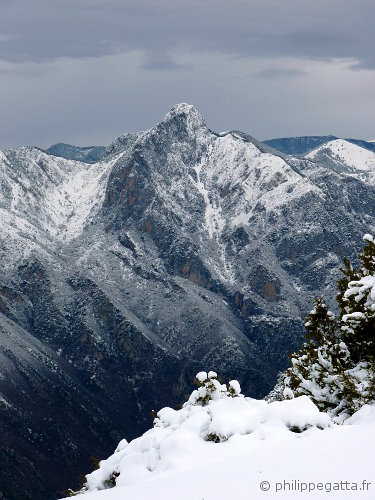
{"x": 45, "y": 30}
{"x": 26, "y": 70}
{"x": 277, "y": 73}
{"x": 159, "y": 61}
{"x": 86, "y": 71}
{"x": 368, "y": 64}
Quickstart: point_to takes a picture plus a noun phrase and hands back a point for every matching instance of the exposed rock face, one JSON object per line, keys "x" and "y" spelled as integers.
{"x": 182, "y": 248}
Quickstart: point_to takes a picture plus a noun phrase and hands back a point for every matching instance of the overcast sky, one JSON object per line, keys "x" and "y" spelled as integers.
{"x": 86, "y": 71}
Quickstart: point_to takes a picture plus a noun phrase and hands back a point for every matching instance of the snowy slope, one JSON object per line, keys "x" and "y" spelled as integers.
{"x": 257, "y": 178}
{"x": 76, "y": 200}
{"x": 349, "y": 157}
{"x": 280, "y": 446}
{"x": 46, "y": 199}
{"x": 53, "y": 193}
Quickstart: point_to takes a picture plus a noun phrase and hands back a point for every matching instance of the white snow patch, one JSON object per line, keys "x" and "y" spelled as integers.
{"x": 4, "y": 402}
{"x": 201, "y": 376}
{"x": 368, "y": 237}
{"x": 214, "y": 223}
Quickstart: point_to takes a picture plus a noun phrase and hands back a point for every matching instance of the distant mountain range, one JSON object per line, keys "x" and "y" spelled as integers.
{"x": 181, "y": 248}
{"x": 305, "y": 144}
{"x": 89, "y": 154}
{"x": 287, "y": 145}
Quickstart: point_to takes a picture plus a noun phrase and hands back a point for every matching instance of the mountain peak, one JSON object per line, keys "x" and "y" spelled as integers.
{"x": 187, "y": 112}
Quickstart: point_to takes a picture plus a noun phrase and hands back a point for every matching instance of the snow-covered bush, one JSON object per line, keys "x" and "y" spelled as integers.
{"x": 210, "y": 389}
{"x": 336, "y": 365}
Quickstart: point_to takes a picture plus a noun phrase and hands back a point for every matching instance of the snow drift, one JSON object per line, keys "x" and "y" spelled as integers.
{"x": 222, "y": 445}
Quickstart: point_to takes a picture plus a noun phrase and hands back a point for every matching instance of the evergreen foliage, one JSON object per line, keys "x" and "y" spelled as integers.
{"x": 336, "y": 365}
{"x": 209, "y": 388}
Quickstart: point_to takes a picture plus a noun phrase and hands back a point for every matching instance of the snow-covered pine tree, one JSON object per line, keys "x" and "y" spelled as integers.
{"x": 356, "y": 300}
{"x": 317, "y": 368}
{"x": 210, "y": 389}
{"x": 336, "y": 365}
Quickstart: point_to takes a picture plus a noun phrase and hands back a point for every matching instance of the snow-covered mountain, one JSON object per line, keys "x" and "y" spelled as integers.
{"x": 181, "y": 246}
{"x": 238, "y": 447}
{"x": 346, "y": 158}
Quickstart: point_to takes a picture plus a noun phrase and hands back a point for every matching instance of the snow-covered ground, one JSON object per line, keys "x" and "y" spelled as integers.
{"x": 241, "y": 448}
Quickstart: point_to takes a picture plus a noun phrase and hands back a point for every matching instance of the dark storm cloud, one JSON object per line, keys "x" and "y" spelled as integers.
{"x": 43, "y": 30}
{"x": 86, "y": 71}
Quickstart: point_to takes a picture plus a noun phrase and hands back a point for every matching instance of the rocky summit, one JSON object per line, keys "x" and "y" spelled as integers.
{"x": 180, "y": 248}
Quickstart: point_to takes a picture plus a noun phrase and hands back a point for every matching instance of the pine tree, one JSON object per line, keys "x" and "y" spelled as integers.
{"x": 336, "y": 365}
{"x": 209, "y": 389}
{"x": 320, "y": 324}
{"x": 318, "y": 366}
{"x": 356, "y": 300}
